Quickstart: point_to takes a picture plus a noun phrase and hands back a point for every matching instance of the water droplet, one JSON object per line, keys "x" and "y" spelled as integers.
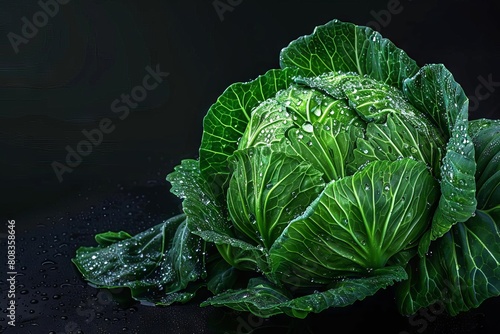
{"x": 307, "y": 127}
{"x": 48, "y": 262}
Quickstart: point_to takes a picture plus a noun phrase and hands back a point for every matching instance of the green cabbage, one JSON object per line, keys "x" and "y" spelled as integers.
{"x": 347, "y": 170}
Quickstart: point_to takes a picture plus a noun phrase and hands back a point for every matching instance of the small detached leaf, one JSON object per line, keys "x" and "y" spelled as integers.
{"x": 156, "y": 265}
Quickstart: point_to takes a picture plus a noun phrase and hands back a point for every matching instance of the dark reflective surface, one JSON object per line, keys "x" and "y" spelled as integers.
{"x": 53, "y": 298}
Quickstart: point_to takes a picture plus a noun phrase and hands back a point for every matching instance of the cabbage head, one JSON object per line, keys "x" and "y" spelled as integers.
{"x": 347, "y": 170}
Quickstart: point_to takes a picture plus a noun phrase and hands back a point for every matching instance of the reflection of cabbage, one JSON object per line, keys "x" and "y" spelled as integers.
{"x": 347, "y": 170}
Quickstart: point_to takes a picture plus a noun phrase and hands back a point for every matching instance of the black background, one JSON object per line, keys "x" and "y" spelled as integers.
{"x": 64, "y": 79}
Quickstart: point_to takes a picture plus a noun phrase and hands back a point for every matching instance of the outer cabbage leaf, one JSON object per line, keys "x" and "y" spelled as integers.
{"x": 208, "y": 219}
{"x": 346, "y": 291}
{"x": 346, "y": 47}
{"x": 462, "y": 268}
{"x": 486, "y": 137}
{"x": 265, "y": 299}
{"x": 261, "y": 298}
{"x": 357, "y": 224}
{"x": 434, "y": 90}
{"x": 199, "y": 203}
{"x": 227, "y": 119}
